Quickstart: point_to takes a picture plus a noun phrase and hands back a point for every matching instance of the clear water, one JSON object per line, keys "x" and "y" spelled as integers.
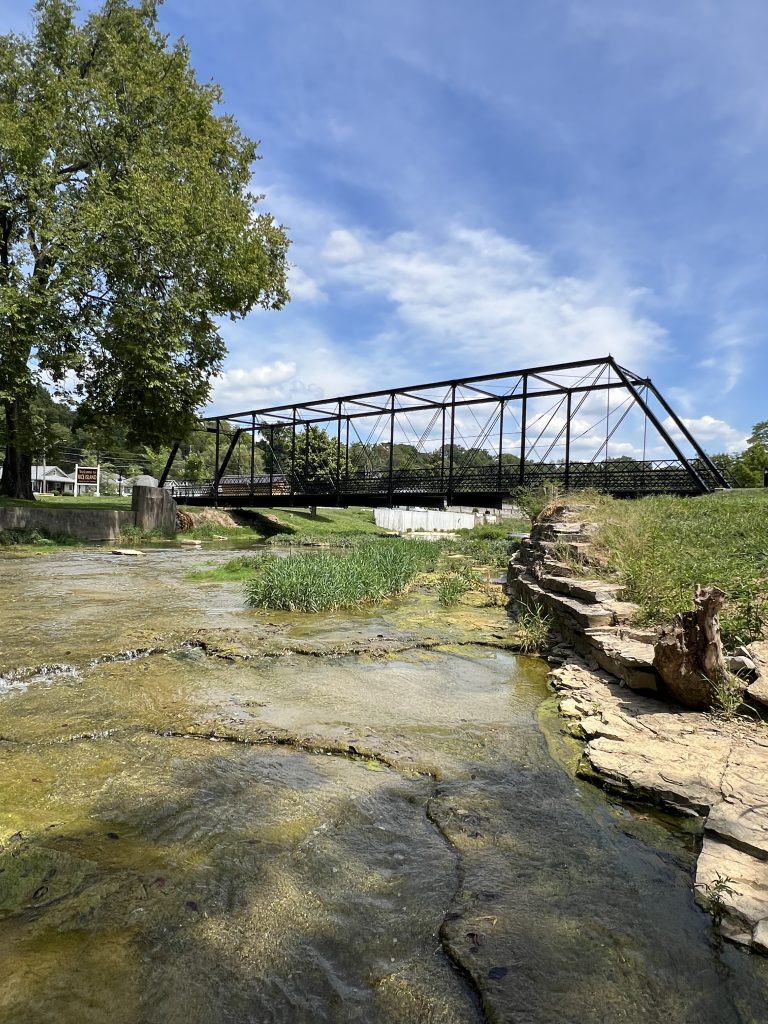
{"x": 269, "y": 830}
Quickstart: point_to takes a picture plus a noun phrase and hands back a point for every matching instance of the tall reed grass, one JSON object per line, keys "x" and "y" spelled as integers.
{"x": 317, "y": 582}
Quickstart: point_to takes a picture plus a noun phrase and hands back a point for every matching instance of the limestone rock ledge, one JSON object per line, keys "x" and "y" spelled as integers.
{"x": 693, "y": 764}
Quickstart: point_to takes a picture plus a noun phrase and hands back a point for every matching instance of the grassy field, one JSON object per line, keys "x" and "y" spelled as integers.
{"x": 660, "y": 547}
{"x": 59, "y": 501}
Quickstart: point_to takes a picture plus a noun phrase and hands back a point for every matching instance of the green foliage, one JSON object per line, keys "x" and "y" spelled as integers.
{"x": 714, "y": 895}
{"x": 325, "y": 582}
{"x": 532, "y": 629}
{"x": 533, "y": 500}
{"x": 234, "y": 571}
{"x": 727, "y": 694}
{"x": 659, "y": 548}
{"x": 35, "y": 538}
{"x": 450, "y": 589}
{"x": 127, "y": 228}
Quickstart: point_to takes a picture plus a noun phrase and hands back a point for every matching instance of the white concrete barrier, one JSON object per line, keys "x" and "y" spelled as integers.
{"x": 430, "y": 520}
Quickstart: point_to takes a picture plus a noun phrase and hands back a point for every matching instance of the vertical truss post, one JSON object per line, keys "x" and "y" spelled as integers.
{"x": 523, "y": 419}
{"x": 346, "y": 458}
{"x": 450, "y": 450}
{"x": 293, "y": 452}
{"x": 253, "y": 449}
{"x": 338, "y": 451}
{"x": 216, "y": 476}
{"x": 568, "y": 442}
{"x": 442, "y": 454}
{"x": 306, "y": 456}
{"x": 390, "y": 483}
{"x": 271, "y": 456}
{"x": 501, "y": 442}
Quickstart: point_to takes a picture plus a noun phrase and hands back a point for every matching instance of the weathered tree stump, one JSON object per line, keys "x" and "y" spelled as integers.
{"x": 689, "y": 655}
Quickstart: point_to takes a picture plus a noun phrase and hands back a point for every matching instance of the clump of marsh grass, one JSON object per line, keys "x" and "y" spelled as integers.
{"x": 451, "y": 588}
{"x": 317, "y": 582}
{"x": 727, "y": 696}
{"x": 532, "y": 629}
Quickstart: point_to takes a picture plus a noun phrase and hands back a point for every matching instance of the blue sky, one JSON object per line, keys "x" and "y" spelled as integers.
{"x": 487, "y": 186}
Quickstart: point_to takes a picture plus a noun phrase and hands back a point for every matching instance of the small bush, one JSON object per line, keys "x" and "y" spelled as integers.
{"x": 533, "y": 500}
{"x": 451, "y": 588}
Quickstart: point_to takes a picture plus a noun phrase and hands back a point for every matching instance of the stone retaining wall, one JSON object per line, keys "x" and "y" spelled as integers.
{"x": 152, "y": 510}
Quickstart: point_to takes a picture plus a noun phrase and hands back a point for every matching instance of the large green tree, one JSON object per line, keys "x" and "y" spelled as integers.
{"x": 127, "y": 227}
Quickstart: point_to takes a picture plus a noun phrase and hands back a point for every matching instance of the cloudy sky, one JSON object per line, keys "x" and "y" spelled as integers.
{"x": 473, "y": 187}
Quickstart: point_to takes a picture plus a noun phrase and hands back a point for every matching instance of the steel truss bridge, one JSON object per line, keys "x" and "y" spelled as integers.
{"x": 472, "y": 442}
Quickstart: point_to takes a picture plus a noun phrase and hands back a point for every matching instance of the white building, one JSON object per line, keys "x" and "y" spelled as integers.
{"x": 51, "y": 480}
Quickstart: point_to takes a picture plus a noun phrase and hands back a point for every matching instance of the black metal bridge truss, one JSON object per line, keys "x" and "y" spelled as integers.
{"x": 471, "y": 442}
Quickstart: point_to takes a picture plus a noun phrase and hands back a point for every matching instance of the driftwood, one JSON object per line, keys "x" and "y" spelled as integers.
{"x": 184, "y": 521}
{"x": 689, "y": 655}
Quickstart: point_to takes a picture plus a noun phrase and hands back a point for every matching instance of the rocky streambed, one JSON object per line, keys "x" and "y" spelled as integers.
{"x": 212, "y": 815}
{"x": 621, "y": 687}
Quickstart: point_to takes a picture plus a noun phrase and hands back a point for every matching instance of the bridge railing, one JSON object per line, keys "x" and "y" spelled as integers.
{"x": 618, "y": 476}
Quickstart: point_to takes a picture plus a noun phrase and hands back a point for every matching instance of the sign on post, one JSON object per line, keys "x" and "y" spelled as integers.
{"x": 87, "y": 476}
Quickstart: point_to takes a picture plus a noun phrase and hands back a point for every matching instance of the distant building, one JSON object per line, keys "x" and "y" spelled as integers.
{"x": 51, "y": 480}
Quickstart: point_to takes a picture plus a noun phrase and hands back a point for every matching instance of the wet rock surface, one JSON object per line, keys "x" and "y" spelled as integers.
{"x": 697, "y": 764}
{"x": 300, "y": 818}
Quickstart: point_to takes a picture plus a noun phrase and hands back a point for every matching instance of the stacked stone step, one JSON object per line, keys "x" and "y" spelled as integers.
{"x": 590, "y": 615}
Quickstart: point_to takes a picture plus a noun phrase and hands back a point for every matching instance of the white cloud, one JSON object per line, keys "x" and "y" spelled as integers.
{"x": 304, "y": 288}
{"x": 492, "y": 299}
{"x": 342, "y": 247}
{"x": 711, "y": 433}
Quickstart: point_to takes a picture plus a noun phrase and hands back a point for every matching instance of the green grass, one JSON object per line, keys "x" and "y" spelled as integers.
{"x": 329, "y": 523}
{"x": 660, "y": 547}
{"x": 294, "y": 526}
{"x": 317, "y": 582}
{"x": 236, "y": 570}
{"x": 36, "y": 539}
{"x": 57, "y": 501}
{"x": 451, "y": 589}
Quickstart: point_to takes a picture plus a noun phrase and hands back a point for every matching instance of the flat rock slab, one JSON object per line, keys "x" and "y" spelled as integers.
{"x": 128, "y": 552}
{"x": 734, "y": 885}
{"x": 694, "y": 764}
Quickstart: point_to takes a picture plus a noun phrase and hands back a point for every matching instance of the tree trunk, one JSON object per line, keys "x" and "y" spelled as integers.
{"x": 689, "y": 655}
{"x": 16, "y": 481}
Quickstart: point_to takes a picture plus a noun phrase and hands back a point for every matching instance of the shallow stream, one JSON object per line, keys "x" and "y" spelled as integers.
{"x": 214, "y": 815}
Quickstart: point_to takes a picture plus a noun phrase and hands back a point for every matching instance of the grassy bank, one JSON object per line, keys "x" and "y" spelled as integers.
{"x": 325, "y": 582}
{"x": 284, "y": 526}
{"x": 60, "y": 501}
{"x": 660, "y": 547}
